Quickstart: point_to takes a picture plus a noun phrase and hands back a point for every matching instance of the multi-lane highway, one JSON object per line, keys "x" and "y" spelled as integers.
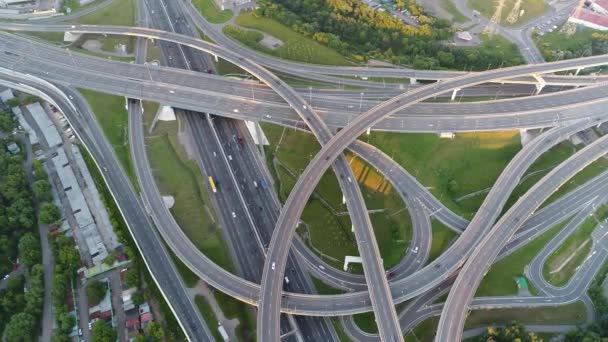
{"x": 270, "y": 299}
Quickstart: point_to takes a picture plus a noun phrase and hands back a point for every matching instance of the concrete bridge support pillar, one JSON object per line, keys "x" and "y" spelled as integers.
{"x": 577, "y": 71}
{"x": 541, "y": 83}
{"x": 454, "y": 92}
{"x": 413, "y": 80}
{"x": 216, "y": 59}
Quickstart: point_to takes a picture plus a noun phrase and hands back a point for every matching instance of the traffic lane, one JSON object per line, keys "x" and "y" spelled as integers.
{"x": 186, "y": 100}
{"x": 345, "y": 105}
{"x": 230, "y": 213}
{"x": 277, "y": 114}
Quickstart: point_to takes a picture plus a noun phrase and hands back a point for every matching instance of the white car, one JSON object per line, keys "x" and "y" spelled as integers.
{"x": 415, "y": 250}
{"x": 272, "y": 266}
{"x": 233, "y": 214}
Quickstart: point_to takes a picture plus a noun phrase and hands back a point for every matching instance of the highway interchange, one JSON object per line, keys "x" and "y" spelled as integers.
{"x": 412, "y": 279}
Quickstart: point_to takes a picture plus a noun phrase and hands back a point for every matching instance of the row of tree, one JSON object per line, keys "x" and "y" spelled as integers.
{"x": 21, "y": 302}
{"x": 354, "y": 29}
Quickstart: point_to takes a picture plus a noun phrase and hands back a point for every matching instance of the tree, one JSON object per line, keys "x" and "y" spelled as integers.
{"x": 42, "y": 190}
{"x": 34, "y": 299}
{"x": 49, "y": 213}
{"x": 13, "y": 102}
{"x": 96, "y": 291}
{"x": 7, "y": 123}
{"x": 155, "y": 331}
{"x": 20, "y": 327}
{"x": 132, "y": 278}
{"x": 39, "y": 172}
{"x": 65, "y": 321}
{"x": 111, "y": 258}
{"x": 29, "y": 249}
{"x": 68, "y": 257}
{"x": 102, "y": 333}
{"x": 138, "y": 298}
{"x": 59, "y": 336}
{"x": 140, "y": 338}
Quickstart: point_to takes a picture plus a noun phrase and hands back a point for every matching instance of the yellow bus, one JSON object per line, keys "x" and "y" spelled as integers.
{"x": 212, "y": 183}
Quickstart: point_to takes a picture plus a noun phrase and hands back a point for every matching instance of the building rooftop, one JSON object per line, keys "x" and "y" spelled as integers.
{"x": 6, "y": 95}
{"x": 45, "y": 124}
{"x": 581, "y": 14}
{"x": 13, "y": 148}
{"x": 464, "y": 35}
{"x": 602, "y": 3}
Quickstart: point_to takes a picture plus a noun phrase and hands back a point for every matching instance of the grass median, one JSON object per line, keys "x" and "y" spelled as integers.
{"x": 500, "y": 278}
{"x": 457, "y": 171}
{"x": 563, "y": 262}
{"x": 442, "y": 239}
{"x": 326, "y": 225}
{"x": 113, "y": 118}
{"x": 180, "y": 177}
{"x": 208, "y": 315}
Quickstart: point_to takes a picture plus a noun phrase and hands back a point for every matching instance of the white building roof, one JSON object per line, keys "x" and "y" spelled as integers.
{"x": 6, "y": 95}
{"x": 45, "y": 124}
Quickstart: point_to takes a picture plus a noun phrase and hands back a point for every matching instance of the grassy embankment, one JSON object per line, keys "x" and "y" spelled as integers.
{"x": 295, "y": 46}
{"x": 531, "y": 9}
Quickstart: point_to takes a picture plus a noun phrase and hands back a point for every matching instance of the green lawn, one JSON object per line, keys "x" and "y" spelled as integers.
{"x": 182, "y": 179}
{"x": 295, "y": 46}
{"x": 451, "y": 168}
{"x": 566, "y": 314}
{"x": 232, "y": 308}
{"x": 339, "y": 329}
{"x": 442, "y": 239}
{"x": 189, "y": 277}
{"x": 366, "y": 322}
{"x": 223, "y": 68}
{"x": 325, "y": 289}
{"x": 328, "y": 228}
{"x": 499, "y": 281}
{"x": 449, "y": 6}
{"x": 119, "y": 12}
{"x": 570, "y": 246}
{"x": 48, "y": 36}
{"x": 532, "y": 9}
{"x": 209, "y": 316}
{"x": 113, "y": 119}
{"x": 210, "y": 11}
{"x": 425, "y": 331}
